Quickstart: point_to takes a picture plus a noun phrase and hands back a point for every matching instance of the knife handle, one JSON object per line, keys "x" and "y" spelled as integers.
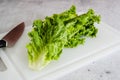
{"x": 2, "y": 43}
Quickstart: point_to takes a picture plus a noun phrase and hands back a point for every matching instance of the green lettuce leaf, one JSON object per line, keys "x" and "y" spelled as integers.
{"x": 49, "y": 36}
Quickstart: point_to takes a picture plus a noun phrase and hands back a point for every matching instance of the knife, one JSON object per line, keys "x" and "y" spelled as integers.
{"x": 11, "y": 37}
{"x": 9, "y": 40}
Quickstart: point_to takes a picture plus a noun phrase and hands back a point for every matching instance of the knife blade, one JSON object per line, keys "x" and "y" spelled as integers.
{"x": 9, "y": 40}
{"x": 12, "y": 37}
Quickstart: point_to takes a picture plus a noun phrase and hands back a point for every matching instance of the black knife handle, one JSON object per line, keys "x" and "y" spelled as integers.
{"x": 2, "y": 43}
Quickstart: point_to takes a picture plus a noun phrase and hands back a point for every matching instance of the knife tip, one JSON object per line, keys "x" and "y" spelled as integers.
{"x": 22, "y": 24}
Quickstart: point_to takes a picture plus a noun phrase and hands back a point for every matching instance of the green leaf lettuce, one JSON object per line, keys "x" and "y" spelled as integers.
{"x": 49, "y": 36}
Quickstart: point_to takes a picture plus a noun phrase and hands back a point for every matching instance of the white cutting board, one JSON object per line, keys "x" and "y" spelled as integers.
{"x": 106, "y": 42}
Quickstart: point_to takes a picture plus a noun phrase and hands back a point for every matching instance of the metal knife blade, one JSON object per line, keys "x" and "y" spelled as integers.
{"x": 9, "y": 40}
{"x": 11, "y": 37}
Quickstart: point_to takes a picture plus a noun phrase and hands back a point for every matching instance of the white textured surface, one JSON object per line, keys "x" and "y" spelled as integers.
{"x": 14, "y": 11}
{"x": 106, "y": 42}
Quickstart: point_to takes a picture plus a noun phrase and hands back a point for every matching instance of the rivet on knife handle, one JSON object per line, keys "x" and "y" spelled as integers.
{"x": 2, "y": 43}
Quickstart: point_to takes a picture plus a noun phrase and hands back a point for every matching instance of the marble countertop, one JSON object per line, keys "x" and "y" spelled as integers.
{"x": 107, "y": 68}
